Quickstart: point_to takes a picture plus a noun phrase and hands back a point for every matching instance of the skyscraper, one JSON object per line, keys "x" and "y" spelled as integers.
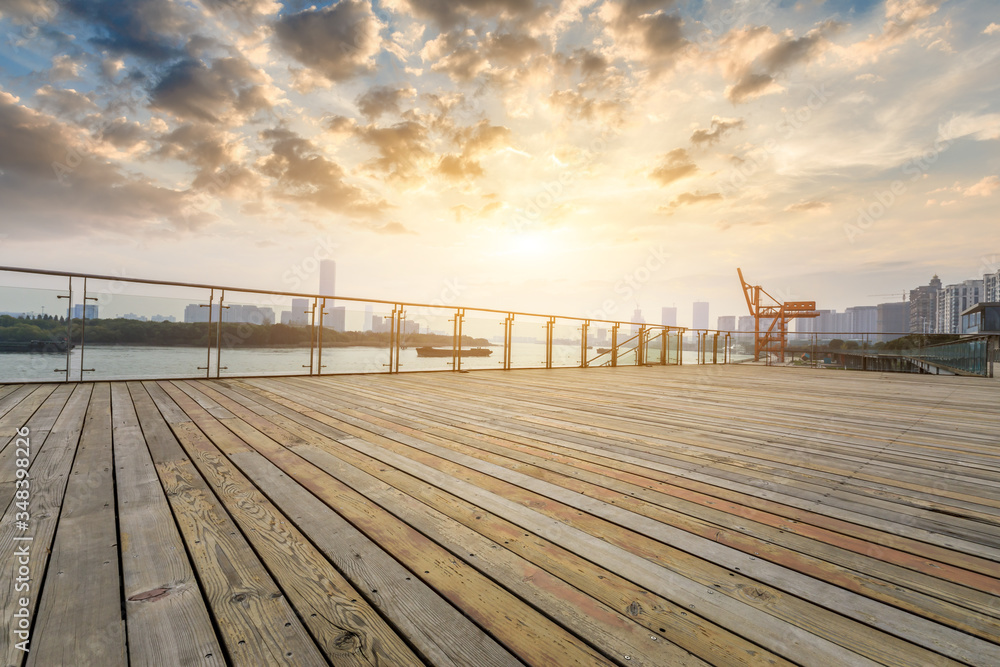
{"x": 699, "y": 315}
{"x": 923, "y": 307}
{"x": 726, "y": 323}
{"x": 299, "y": 312}
{"x": 327, "y": 278}
{"x": 668, "y": 317}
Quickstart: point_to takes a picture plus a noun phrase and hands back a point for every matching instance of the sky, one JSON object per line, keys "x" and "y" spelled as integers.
{"x": 572, "y": 157}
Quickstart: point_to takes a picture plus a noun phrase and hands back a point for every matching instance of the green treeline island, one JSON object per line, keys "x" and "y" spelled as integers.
{"x": 120, "y": 331}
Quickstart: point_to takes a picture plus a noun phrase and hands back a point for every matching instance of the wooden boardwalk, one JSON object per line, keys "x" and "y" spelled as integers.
{"x": 635, "y": 516}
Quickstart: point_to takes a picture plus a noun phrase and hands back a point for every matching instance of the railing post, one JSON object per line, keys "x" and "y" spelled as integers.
{"x": 312, "y": 334}
{"x": 319, "y": 342}
{"x": 664, "y": 346}
{"x": 715, "y": 348}
{"x": 640, "y": 347}
{"x": 549, "y": 327}
{"x": 614, "y": 346}
{"x": 218, "y": 337}
{"x": 69, "y": 327}
{"x": 583, "y": 343}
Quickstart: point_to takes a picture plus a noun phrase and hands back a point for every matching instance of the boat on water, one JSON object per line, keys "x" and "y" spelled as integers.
{"x": 58, "y": 346}
{"x": 603, "y": 350}
{"x": 447, "y": 352}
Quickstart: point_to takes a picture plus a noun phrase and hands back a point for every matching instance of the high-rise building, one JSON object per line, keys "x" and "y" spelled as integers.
{"x": 726, "y": 323}
{"x": 90, "y": 310}
{"x": 668, "y": 316}
{"x": 952, "y": 300}
{"x": 637, "y": 319}
{"x": 699, "y": 315}
{"x": 746, "y": 323}
{"x": 991, "y": 287}
{"x": 862, "y": 319}
{"x": 893, "y": 318}
{"x": 327, "y": 278}
{"x": 923, "y": 307}
{"x": 368, "y": 317}
{"x": 335, "y": 318}
{"x": 300, "y": 308}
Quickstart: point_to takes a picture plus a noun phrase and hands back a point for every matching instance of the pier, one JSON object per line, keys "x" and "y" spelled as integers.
{"x": 662, "y": 515}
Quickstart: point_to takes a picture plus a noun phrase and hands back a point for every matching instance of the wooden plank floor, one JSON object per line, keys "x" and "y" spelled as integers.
{"x": 728, "y": 515}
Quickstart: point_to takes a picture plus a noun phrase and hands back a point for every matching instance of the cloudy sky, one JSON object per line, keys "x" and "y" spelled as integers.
{"x": 575, "y": 156}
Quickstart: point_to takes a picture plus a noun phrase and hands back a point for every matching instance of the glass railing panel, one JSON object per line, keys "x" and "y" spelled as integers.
{"x": 655, "y": 346}
{"x": 528, "y": 342}
{"x": 353, "y": 337}
{"x": 265, "y": 334}
{"x": 135, "y": 330}
{"x": 427, "y": 339}
{"x": 567, "y": 343}
{"x": 482, "y": 342}
{"x": 34, "y": 334}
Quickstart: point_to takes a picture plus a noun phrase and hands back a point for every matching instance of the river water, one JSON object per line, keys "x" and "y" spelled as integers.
{"x": 122, "y": 362}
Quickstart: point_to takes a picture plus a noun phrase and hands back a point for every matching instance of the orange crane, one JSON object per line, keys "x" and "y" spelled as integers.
{"x": 779, "y": 313}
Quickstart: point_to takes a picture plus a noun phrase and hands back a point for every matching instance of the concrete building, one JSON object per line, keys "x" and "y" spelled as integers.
{"x": 668, "y": 316}
{"x": 991, "y": 287}
{"x": 862, "y": 319}
{"x": 335, "y": 318}
{"x": 300, "y": 312}
{"x": 954, "y": 299}
{"x": 699, "y": 315}
{"x": 726, "y": 323}
{"x": 893, "y": 318}
{"x": 923, "y": 307}
{"x": 90, "y": 310}
{"x": 368, "y": 317}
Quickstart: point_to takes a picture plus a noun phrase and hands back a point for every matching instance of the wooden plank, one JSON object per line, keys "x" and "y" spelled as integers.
{"x": 254, "y": 621}
{"x": 49, "y": 473}
{"x": 905, "y": 625}
{"x": 654, "y": 568}
{"x": 347, "y": 629}
{"x": 436, "y": 629}
{"x": 39, "y": 425}
{"x": 166, "y": 617}
{"x": 21, "y": 411}
{"x": 525, "y": 632}
{"x": 657, "y": 615}
{"x": 79, "y": 618}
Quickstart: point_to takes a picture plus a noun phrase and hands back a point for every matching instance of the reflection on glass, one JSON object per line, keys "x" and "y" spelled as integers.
{"x": 35, "y": 335}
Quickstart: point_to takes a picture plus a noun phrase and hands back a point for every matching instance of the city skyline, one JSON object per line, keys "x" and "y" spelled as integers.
{"x": 571, "y": 157}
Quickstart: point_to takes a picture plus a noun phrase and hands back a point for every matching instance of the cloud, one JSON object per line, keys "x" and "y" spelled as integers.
{"x": 759, "y": 76}
{"x": 719, "y": 128}
{"x": 453, "y": 54}
{"x": 45, "y": 160}
{"x": 574, "y": 104}
{"x": 230, "y": 87}
{"x": 383, "y": 99}
{"x": 983, "y": 188}
{"x": 150, "y": 29}
{"x": 474, "y": 141}
{"x": 673, "y": 166}
{"x": 394, "y": 228}
{"x": 449, "y": 13}
{"x": 509, "y": 48}
{"x": 691, "y": 198}
{"x": 992, "y": 29}
{"x": 302, "y": 175}
{"x": 64, "y": 68}
{"x": 983, "y": 127}
{"x": 402, "y": 148}
{"x": 645, "y": 33}
{"x": 807, "y": 206}
{"x": 337, "y": 42}
{"x": 902, "y": 22}
{"x": 64, "y": 101}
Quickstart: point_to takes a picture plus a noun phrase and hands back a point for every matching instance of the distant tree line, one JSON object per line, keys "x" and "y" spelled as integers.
{"x": 120, "y": 331}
